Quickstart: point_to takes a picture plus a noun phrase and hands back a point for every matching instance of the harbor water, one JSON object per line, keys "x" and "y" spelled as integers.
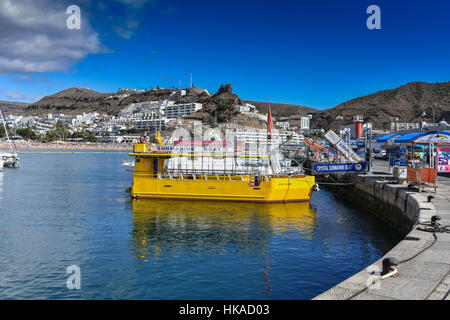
{"x": 70, "y": 208}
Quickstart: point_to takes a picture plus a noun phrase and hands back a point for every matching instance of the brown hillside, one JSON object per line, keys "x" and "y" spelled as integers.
{"x": 281, "y": 109}
{"x": 8, "y": 107}
{"x": 72, "y": 101}
{"x": 405, "y": 103}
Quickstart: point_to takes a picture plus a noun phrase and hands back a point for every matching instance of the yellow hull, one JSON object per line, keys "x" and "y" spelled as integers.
{"x": 223, "y": 188}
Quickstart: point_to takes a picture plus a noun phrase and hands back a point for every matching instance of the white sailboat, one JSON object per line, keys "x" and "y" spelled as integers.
{"x": 8, "y": 159}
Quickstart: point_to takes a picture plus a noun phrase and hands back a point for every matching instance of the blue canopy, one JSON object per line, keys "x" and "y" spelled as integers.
{"x": 437, "y": 132}
{"x": 409, "y": 137}
{"x": 389, "y": 136}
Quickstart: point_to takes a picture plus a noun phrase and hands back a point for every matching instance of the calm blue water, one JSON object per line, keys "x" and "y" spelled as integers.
{"x": 62, "y": 209}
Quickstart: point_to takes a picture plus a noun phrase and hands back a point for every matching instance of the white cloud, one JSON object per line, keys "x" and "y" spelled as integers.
{"x": 34, "y": 37}
{"x": 27, "y": 78}
{"x": 123, "y": 32}
{"x": 127, "y": 26}
{"x": 128, "y": 29}
{"x": 137, "y": 3}
{"x": 22, "y": 97}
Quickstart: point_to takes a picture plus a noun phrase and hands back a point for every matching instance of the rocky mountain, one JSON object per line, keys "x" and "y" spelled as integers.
{"x": 403, "y": 104}
{"x": 406, "y": 104}
{"x": 8, "y": 107}
{"x": 74, "y": 101}
{"x": 77, "y": 100}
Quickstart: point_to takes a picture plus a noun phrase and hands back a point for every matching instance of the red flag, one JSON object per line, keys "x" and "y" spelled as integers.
{"x": 269, "y": 120}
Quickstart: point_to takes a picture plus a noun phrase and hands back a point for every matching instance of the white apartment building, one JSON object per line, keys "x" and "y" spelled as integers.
{"x": 42, "y": 128}
{"x": 119, "y": 139}
{"x": 119, "y": 96}
{"x": 282, "y": 124}
{"x": 400, "y": 126}
{"x": 86, "y": 118}
{"x": 246, "y": 108}
{"x": 152, "y": 114}
{"x": 13, "y": 121}
{"x": 110, "y": 139}
{"x": 60, "y": 117}
{"x": 178, "y": 111}
{"x": 255, "y": 137}
{"x": 300, "y": 121}
{"x": 148, "y": 124}
{"x": 178, "y": 94}
{"x": 304, "y": 123}
{"x": 19, "y": 122}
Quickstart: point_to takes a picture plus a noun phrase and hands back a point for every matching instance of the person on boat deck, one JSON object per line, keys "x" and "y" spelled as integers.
{"x": 257, "y": 180}
{"x": 145, "y": 139}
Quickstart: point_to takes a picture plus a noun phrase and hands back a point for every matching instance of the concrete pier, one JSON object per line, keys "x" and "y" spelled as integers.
{"x": 424, "y": 269}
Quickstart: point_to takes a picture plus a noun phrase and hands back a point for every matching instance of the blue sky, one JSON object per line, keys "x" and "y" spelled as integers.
{"x": 313, "y": 53}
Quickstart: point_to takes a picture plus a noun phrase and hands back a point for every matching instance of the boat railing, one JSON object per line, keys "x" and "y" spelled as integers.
{"x": 224, "y": 175}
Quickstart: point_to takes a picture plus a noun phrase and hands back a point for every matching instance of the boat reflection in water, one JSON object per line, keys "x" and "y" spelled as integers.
{"x": 173, "y": 227}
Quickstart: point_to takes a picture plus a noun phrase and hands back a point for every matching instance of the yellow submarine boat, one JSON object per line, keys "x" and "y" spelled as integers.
{"x": 154, "y": 178}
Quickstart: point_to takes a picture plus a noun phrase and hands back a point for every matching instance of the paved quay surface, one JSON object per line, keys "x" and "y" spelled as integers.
{"x": 424, "y": 271}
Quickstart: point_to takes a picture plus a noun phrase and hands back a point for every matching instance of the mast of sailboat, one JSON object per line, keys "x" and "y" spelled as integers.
{"x": 6, "y": 131}
{"x": 269, "y": 134}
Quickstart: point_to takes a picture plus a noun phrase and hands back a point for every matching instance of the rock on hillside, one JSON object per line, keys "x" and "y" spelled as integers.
{"x": 281, "y": 109}
{"x": 220, "y": 106}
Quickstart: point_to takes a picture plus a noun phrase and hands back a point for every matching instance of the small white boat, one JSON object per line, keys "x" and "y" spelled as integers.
{"x": 1, "y": 164}
{"x": 10, "y": 159}
{"x": 129, "y": 165}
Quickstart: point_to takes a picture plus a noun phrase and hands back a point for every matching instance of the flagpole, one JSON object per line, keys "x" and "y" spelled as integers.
{"x": 269, "y": 119}
{"x": 268, "y": 124}
{"x": 268, "y": 112}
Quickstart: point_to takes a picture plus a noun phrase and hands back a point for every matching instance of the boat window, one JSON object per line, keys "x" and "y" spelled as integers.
{"x": 155, "y": 165}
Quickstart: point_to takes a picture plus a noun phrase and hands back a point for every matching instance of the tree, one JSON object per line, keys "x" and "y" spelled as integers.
{"x": 26, "y": 133}
{"x": 91, "y": 138}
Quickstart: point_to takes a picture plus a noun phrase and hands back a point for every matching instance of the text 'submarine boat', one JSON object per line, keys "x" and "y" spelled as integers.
{"x": 160, "y": 174}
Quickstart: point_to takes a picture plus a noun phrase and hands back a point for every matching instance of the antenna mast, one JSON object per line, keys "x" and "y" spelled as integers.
{"x": 6, "y": 131}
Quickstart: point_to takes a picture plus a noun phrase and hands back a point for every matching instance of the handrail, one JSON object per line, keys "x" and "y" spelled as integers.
{"x": 214, "y": 177}
{"x": 196, "y": 155}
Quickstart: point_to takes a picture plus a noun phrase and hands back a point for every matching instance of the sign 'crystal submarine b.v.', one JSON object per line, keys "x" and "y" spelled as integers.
{"x": 339, "y": 167}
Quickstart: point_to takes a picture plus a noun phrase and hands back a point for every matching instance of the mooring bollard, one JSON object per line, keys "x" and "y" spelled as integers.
{"x": 388, "y": 267}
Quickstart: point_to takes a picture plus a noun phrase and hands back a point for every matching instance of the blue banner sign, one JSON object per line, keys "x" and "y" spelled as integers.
{"x": 403, "y": 152}
{"x": 356, "y": 143}
{"x": 339, "y": 167}
{"x": 398, "y": 157}
{"x": 392, "y": 157}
